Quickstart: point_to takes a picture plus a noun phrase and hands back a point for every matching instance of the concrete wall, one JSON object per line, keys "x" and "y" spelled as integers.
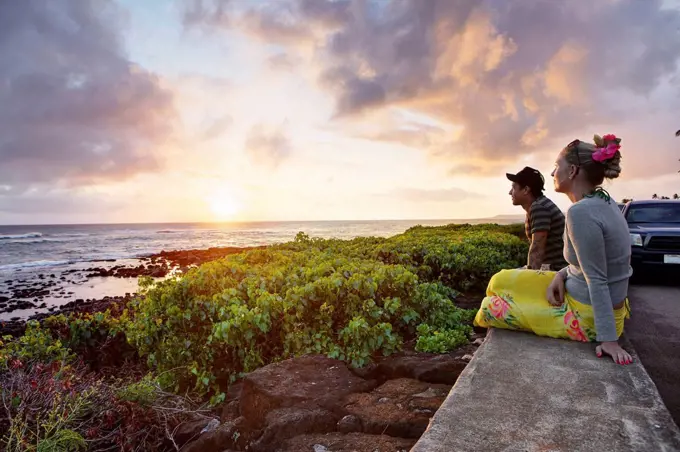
{"x": 522, "y": 392}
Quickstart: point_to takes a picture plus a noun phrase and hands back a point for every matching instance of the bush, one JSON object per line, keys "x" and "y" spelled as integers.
{"x": 271, "y": 304}
{"x": 37, "y": 344}
{"x": 64, "y": 407}
{"x": 349, "y": 300}
{"x": 463, "y": 261}
{"x": 96, "y": 338}
{"x": 52, "y": 401}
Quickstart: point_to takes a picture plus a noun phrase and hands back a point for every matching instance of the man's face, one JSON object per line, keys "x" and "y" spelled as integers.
{"x": 518, "y": 194}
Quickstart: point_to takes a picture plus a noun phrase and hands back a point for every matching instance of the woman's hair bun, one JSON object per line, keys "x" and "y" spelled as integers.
{"x": 612, "y": 166}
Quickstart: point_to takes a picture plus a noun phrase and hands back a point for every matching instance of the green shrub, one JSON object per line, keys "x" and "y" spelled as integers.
{"x": 62, "y": 441}
{"x": 436, "y": 340}
{"x": 143, "y": 392}
{"x": 347, "y": 299}
{"x": 237, "y": 314}
{"x": 36, "y": 345}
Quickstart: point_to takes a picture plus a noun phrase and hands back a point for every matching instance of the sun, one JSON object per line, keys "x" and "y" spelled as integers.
{"x": 224, "y": 205}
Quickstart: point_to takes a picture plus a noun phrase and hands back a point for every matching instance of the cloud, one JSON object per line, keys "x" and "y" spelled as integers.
{"x": 464, "y": 169}
{"x": 283, "y": 62}
{"x": 396, "y": 128}
{"x": 419, "y": 195}
{"x": 214, "y": 13}
{"x": 75, "y": 110}
{"x": 217, "y": 127}
{"x": 511, "y": 76}
{"x": 268, "y": 147}
{"x": 59, "y": 201}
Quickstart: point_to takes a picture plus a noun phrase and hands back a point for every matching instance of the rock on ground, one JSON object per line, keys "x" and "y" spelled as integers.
{"x": 429, "y": 367}
{"x": 307, "y": 380}
{"x": 401, "y": 407}
{"x": 351, "y": 442}
{"x": 190, "y": 430}
{"x": 285, "y": 423}
{"x": 234, "y": 434}
{"x": 317, "y": 404}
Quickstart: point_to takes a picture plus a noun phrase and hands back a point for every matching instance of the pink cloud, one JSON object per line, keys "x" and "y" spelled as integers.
{"x": 511, "y": 76}
{"x": 75, "y": 109}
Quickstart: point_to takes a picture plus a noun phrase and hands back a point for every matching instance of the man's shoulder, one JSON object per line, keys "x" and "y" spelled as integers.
{"x": 545, "y": 204}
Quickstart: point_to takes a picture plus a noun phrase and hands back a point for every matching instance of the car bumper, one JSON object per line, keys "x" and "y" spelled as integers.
{"x": 641, "y": 256}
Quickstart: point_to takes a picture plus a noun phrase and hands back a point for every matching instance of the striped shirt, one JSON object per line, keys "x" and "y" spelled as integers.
{"x": 544, "y": 215}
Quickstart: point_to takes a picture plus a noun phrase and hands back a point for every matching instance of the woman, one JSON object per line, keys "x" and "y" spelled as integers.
{"x": 586, "y": 301}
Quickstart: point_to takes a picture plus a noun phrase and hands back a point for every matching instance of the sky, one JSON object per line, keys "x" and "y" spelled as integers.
{"x": 245, "y": 110}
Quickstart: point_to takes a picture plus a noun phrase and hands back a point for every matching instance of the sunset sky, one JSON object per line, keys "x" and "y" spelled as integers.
{"x": 155, "y": 111}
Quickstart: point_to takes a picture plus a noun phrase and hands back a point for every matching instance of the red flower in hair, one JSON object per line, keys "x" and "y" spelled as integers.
{"x": 608, "y": 150}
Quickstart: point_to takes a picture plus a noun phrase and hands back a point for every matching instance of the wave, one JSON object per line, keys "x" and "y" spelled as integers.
{"x": 36, "y": 240}
{"x": 28, "y": 235}
{"x": 59, "y": 263}
{"x": 167, "y": 231}
{"x": 108, "y": 257}
{"x": 35, "y": 264}
{"x": 71, "y": 234}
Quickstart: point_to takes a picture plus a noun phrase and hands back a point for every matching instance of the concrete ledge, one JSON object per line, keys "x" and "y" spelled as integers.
{"x": 527, "y": 393}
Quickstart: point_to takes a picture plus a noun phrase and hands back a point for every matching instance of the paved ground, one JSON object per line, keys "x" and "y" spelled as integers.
{"x": 527, "y": 393}
{"x": 654, "y": 331}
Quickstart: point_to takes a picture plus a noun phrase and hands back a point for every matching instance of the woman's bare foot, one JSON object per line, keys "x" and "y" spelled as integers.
{"x": 613, "y": 349}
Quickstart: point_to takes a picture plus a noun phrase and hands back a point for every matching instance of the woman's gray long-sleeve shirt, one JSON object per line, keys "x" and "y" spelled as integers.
{"x": 597, "y": 247}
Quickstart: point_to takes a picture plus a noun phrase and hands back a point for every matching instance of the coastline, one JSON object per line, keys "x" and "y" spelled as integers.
{"x": 50, "y": 268}
{"x": 380, "y": 383}
{"x": 40, "y": 290}
{"x": 94, "y": 287}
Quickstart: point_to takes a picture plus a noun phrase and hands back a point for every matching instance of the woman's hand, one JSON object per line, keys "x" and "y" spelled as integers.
{"x": 555, "y": 292}
{"x": 613, "y": 349}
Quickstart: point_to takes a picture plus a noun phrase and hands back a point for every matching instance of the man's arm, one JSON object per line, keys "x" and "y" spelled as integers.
{"x": 539, "y": 222}
{"x": 537, "y": 250}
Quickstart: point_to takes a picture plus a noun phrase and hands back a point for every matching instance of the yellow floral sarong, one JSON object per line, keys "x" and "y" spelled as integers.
{"x": 516, "y": 300}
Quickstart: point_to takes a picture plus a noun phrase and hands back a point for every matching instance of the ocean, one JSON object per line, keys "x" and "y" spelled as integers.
{"x": 29, "y": 254}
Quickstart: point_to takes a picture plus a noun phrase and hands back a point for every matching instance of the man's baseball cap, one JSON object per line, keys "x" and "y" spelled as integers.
{"x": 528, "y": 177}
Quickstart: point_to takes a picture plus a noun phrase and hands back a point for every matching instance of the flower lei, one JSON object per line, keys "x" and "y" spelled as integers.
{"x": 600, "y": 193}
{"x": 607, "y": 147}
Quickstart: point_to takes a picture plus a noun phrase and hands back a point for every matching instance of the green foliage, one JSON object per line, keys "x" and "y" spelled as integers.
{"x": 270, "y": 304}
{"x": 464, "y": 260}
{"x": 51, "y": 427}
{"x": 91, "y": 337}
{"x": 348, "y": 300}
{"x": 143, "y": 392}
{"x": 37, "y": 344}
{"x": 435, "y": 340}
{"x": 63, "y": 441}
{"x": 85, "y": 330}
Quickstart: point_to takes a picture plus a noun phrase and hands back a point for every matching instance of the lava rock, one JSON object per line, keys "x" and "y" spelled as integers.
{"x": 306, "y": 380}
{"x": 350, "y": 423}
{"x": 406, "y": 412}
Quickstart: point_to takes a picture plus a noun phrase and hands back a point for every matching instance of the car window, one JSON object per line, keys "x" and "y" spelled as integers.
{"x": 654, "y": 213}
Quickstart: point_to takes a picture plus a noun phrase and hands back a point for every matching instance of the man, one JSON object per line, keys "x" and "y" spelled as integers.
{"x": 544, "y": 223}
